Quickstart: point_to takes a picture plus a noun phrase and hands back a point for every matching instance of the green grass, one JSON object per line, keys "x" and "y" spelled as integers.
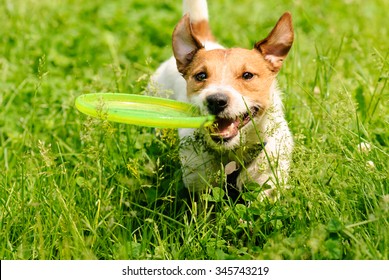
{"x": 78, "y": 188}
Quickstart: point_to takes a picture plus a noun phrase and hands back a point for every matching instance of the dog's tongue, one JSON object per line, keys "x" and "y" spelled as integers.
{"x": 225, "y": 128}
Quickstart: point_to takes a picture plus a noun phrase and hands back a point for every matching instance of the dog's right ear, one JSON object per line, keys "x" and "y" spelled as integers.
{"x": 185, "y": 44}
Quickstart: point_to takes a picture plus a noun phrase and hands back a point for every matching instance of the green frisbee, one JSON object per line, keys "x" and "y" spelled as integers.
{"x": 142, "y": 110}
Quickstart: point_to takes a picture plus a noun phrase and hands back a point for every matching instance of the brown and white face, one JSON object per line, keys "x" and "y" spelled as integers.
{"x": 232, "y": 84}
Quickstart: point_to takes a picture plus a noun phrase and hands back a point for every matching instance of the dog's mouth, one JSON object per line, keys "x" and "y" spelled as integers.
{"x": 225, "y": 129}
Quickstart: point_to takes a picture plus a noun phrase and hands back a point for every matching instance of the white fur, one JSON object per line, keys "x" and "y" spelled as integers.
{"x": 198, "y": 9}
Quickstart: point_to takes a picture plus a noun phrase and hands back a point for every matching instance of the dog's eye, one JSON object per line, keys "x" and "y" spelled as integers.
{"x": 247, "y": 75}
{"x": 200, "y": 76}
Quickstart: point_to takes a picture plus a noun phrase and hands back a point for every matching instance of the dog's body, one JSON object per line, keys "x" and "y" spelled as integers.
{"x": 250, "y": 139}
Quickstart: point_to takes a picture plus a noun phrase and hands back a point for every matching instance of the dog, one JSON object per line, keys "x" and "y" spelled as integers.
{"x": 249, "y": 141}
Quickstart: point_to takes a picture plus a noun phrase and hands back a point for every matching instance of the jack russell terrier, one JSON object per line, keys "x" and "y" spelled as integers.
{"x": 249, "y": 140}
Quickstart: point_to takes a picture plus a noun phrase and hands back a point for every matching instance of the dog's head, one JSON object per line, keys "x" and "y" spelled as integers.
{"x": 232, "y": 84}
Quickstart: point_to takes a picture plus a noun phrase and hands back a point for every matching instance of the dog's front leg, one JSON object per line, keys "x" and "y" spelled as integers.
{"x": 271, "y": 167}
{"x": 198, "y": 167}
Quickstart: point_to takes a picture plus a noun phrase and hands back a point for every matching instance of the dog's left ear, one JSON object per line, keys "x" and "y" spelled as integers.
{"x": 185, "y": 44}
{"x": 276, "y": 45}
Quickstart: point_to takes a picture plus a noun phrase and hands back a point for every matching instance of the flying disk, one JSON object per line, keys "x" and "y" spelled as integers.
{"x": 142, "y": 110}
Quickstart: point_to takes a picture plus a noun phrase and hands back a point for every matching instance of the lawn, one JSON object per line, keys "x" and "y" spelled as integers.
{"x": 73, "y": 187}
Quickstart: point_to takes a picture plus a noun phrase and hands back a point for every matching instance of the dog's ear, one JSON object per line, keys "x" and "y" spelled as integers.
{"x": 185, "y": 44}
{"x": 277, "y": 44}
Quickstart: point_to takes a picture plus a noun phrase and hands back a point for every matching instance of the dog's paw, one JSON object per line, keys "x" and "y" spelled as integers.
{"x": 266, "y": 191}
{"x": 271, "y": 194}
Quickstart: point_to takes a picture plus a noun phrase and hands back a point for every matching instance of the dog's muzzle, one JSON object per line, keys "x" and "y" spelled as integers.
{"x": 226, "y": 128}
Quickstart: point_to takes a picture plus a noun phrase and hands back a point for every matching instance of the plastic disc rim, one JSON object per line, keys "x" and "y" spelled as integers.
{"x": 142, "y": 110}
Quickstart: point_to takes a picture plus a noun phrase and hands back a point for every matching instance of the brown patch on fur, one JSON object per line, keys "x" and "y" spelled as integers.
{"x": 225, "y": 67}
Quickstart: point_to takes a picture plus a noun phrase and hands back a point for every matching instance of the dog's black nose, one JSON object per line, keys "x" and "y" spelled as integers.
{"x": 216, "y": 103}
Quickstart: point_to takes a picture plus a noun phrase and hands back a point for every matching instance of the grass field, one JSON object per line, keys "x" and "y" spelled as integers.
{"x": 72, "y": 187}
